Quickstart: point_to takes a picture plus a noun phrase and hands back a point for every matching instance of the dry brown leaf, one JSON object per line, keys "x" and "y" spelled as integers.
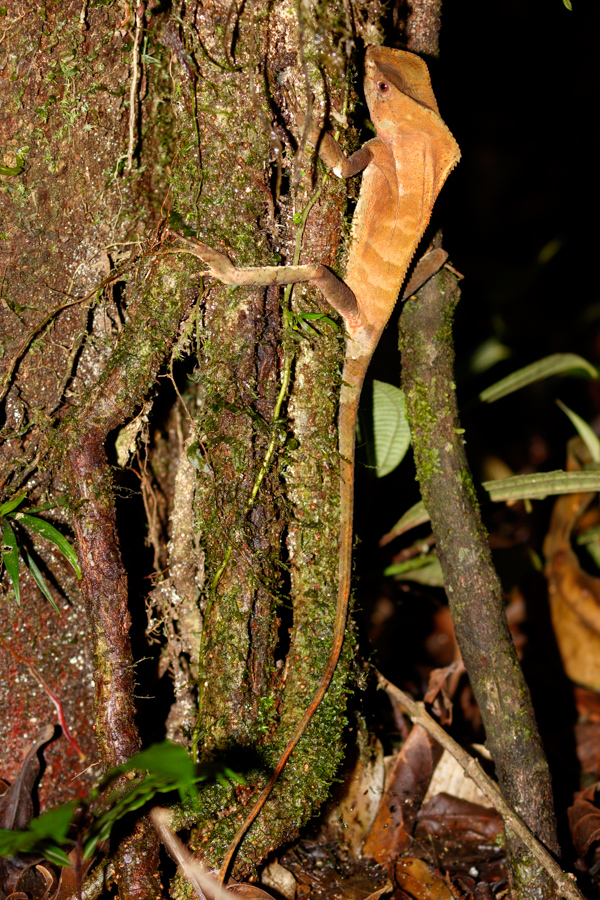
{"x": 449, "y": 778}
{"x": 386, "y": 889}
{"x": 37, "y": 882}
{"x": 574, "y": 595}
{"x": 67, "y": 883}
{"x": 406, "y": 786}
{"x": 460, "y": 832}
{"x": 16, "y": 810}
{"x": 584, "y": 820}
{"x": 353, "y": 815}
{"x": 250, "y": 891}
{"x": 420, "y": 880}
{"x": 16, "y": 804}
{"x": 279, "y": 879}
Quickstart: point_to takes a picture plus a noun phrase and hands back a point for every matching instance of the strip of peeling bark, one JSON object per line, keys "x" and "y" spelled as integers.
{"x": 472, "y": 585}
{"x": 143, "y": 347}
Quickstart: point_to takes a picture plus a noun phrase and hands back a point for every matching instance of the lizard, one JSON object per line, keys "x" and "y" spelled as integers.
{"x": 404, "y": 168}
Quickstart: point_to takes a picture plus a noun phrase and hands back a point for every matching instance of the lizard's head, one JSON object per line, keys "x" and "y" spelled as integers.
{"x": 401, "y": 70}
{"x": 398, "y": 88}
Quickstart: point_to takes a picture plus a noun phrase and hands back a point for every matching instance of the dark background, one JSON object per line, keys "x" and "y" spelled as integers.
{"x": 517, "y": 83}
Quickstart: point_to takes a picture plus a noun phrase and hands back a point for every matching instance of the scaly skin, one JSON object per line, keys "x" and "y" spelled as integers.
{"x": 404, "y": 167}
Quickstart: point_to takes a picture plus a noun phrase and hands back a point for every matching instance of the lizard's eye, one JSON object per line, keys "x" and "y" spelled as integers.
{"x": 383, "y": 87}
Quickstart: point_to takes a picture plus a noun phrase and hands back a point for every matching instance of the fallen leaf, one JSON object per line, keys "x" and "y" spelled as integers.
{"x": 406, "y": 786}
{"x": 420, "y": 880}
{"x": 459, "y": 832}
{"x": 584, "y": 820}
{"x": 574, "y": 595}
{"x": 280, "y": 879}
{"x": 16, "y": 804}
{"x": 37, "y": 882}
{"x": 449, "y": 778}
{"x": 16, "y": 810}
{"x": 250, "y": 891}
{"x": 67, "y": 883}
{"x": 353, "y": 815}
{"x": 386, "y": 889}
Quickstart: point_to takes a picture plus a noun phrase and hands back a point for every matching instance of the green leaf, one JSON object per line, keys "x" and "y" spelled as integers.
{"x": 390, "y": 427}
{"x": 166, "y": 760}
{"x": 10, "y": 556}
{"x": 487, "y": 355}
{"x": 11, "y": 504}
{"x": 543, "y": 368}
{"x": 43, "y": 507}
{"x": 42, "y": 835}
{"x": 540, "y": 485}
{"x": 20, "y": 163}
{"x": 233, "y": 776}
{"x": 56, "y": 855}
{"x": 416, "y": 515}
{"x": 168, "y": 767}
{"x": 587, "y": 435}
{"x": 55, "y": 823}
{"x": 11, "y": 170}
{"x": 567, "y": 3}
{"x": 423, "y": 569}
{"x": 48, "y": 531}
{"x": 38, "y": 577}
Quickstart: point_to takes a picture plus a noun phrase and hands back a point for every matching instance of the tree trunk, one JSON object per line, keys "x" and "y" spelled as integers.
{"x": 121, "y": 129}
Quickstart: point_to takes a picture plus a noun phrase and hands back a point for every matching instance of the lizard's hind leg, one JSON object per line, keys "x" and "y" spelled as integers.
{"x": 337, "y": 294}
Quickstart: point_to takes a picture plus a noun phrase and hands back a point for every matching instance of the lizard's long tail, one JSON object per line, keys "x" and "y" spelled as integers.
{"x": 353, "y": 376}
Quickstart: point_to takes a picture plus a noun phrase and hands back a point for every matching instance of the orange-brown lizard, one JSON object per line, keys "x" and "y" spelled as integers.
{"x": 404, "y": 169}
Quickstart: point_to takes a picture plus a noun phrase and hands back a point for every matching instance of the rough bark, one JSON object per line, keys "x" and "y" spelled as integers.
{"x": 185, "y": 114}
{"x": 472, "y": 585}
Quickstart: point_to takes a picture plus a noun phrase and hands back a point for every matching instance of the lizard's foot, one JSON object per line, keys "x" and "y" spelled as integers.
{"x": 219, "y": 265}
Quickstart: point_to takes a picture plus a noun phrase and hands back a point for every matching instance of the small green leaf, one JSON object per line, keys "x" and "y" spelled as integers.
{"x": 233, "y": 776}
{"x": 11, "y": 170}
{"x": 56, "y": 855}
{"x": 13, "y": 842}
{"x": 55, "y": 823}
{"x": 587, "y": 435}
{"x": 423, "y": 569}
{"x": 42, "y": 835}
{"x": 167, "y": 760}
{"x": 567, "y": 3}
{"x": 11, "y": 504}
{"x": 540, "y": 485}
{"x": 43, "y": 507}
{"x": 10, "y": 556}
{"x": 20, "y": 163}
{"x": 589, "y": 535}
{"x": 487, "y": 355}
{"x": 416, "y": 515}
{"x": 38, "y": 578}
{"x": 195, "y": 456}
{"x": 390, "y": 427}
{"x": 550, "y": 365}
{"x": 48, "y": 531}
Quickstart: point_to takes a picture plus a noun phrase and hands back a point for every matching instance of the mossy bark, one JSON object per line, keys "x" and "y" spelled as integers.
{"x": 267, "y": 522}
{"x": 114, "y": 123}
{"x": 472, "y": 585}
